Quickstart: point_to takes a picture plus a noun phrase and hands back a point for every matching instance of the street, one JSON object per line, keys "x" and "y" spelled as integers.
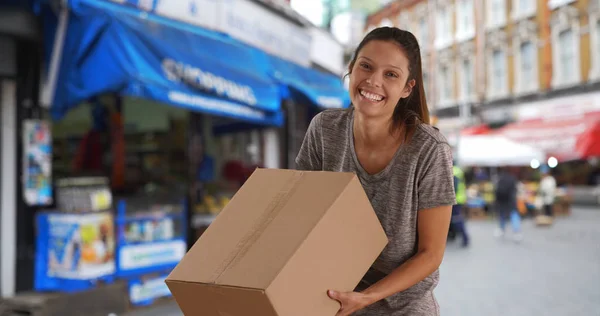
{"x": 554, "y": 271}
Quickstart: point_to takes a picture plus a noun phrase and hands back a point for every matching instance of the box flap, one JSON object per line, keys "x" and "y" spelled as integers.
{"x": 260, "y": 229}
{"x": 203, "y": 299}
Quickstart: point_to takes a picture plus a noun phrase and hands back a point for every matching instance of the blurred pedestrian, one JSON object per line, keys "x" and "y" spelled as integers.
{"x": 548, "y": 192}
{"x": 458, "y": 218}
{"x": 404, "y": 165}
{"x": 506, "y": 204}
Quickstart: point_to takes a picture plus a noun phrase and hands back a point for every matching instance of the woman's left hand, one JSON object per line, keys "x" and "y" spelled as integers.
{"x": 350, "y": 301}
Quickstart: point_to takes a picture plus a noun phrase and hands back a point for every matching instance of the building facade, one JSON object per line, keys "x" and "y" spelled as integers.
{"x": 500, "y": 61}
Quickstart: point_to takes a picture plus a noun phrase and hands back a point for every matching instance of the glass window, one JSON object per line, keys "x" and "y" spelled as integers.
{"x": 596, "y": 54}
{"x": 467, "y": 78}
{"x": 446, "y": 88}
{"x": 497, "y": 12}
{"x": 498, "y": 71}
{"x": 527, "y": 56}
{"x": 423, "y": 32}
{"x": 566, "y": 56}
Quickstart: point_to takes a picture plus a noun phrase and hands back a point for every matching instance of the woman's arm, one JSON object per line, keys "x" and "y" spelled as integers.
{"x": 433, "y": 227}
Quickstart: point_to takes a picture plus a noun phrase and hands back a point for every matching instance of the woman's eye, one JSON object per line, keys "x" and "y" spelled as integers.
{"x": 392, "y": 74}
{"x": 365, "y": 66}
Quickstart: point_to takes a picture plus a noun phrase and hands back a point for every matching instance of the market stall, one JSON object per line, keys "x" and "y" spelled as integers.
{"x": 495, "y": 151}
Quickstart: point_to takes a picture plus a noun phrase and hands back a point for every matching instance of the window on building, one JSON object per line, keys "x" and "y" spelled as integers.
{"x": 465, "y": 20}
{"x": 523, "y": 8}
{"x": 498, "y": 72}
{"x": 527, "y": 65}
{"x": 404, "y": 21}
{"x": 445, "y": 84}
{"x": 553, "y": 4}
{"x": 496, "y": 13}
{"x": 423, "y": 32}
{"x": 566, "y": 56}
{"x": 596, "y": 53}
{"x": 467, "y": 82}
{"x": 443, "y": 27}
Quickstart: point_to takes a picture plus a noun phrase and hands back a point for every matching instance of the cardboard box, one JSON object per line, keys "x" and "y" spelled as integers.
{"x": 285, "y": 238}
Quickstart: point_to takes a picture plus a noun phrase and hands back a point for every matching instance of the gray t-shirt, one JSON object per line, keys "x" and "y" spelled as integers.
{"x": 418, "y": 177}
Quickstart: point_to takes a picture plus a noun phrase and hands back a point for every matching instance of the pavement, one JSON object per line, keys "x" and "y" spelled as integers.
{"x": 553, "y": 271}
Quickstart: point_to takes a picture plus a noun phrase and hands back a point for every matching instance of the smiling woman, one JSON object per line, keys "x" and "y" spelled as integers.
{"x": 405, "y": 166}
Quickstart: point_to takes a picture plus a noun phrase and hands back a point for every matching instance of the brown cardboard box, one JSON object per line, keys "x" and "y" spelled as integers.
{"x": 285, "y": 238}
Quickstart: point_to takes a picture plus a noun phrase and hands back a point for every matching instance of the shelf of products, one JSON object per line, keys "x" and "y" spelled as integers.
{"x": 151, "y": 234}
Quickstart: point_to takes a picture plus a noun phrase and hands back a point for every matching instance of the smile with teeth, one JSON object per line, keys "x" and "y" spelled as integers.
{"x": 371, "y": 96}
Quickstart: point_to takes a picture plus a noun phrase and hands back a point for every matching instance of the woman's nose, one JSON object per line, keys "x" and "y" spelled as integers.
{"x": 374, "y": 80}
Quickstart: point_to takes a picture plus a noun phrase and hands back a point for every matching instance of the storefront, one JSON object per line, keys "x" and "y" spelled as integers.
{"x": 154, "y": 121}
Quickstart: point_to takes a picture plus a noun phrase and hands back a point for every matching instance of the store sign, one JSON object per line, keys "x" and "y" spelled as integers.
{"x": 569, "y": 107}
{"x": 251, "y": 23}
{"x": 191, "y": 75}
{"x": 244, "y": 20}
{"x": 142, "y": 256}
{"x": 145, "y": 291}
{"x": 79, "y": 246}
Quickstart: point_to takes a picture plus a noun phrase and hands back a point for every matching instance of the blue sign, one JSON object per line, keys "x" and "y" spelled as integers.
{"x": 144, "y": 291}
{"x": 113, "y": 48}
{"x": 73, "y": 250}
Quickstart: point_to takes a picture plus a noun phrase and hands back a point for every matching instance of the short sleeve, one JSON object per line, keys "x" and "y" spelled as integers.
{"x": 436, "y": 184}
{"x": 310, "y": 157}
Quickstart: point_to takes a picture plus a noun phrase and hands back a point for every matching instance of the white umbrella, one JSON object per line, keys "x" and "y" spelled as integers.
{"x": 494, "y": 151}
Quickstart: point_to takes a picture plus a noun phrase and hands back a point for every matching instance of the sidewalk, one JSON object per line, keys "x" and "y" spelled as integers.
{"x": 535, "y": 277}
{"x": 166, "y": 309}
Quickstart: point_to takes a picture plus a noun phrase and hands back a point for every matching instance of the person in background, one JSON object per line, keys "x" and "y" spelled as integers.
{"x": 548, "y": 192}
{"x": 506, "y": 203}
{"x": 458, "y": 219}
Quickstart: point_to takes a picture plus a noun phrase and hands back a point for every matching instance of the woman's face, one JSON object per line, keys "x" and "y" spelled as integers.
{"x": 378, "y": 79}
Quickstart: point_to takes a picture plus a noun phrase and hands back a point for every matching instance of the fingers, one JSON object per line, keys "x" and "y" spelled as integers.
{"x": 338, "y": 296}
{"x": 343, "y": 299}
{"x": 333, "y": 295}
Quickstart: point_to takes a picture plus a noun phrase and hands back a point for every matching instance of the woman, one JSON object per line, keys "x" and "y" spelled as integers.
{"x": 405, "y": 166}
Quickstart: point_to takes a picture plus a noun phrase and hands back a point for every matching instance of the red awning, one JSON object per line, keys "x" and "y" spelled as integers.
{"x": 566, "y": 139}
{"x": 476, "y": 130}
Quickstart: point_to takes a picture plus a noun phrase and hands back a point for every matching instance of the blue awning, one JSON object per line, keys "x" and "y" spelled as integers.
{"x": 318, "y": 88}
{"x": 113, "y": 48}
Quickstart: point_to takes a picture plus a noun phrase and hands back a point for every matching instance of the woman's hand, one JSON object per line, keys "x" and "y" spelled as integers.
{"x": 350, "y": 302}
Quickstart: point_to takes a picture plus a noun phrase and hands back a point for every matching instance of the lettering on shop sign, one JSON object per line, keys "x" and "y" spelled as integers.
{"x": 198, "y": 78}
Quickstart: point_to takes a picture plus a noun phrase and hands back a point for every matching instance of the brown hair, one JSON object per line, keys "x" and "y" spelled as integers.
{"x": 412, "y": 110}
